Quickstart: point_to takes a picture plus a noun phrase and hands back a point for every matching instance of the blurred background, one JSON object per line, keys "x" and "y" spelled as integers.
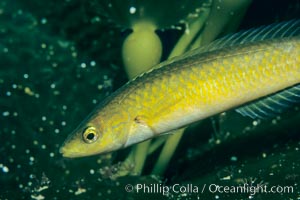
{"x": 58, "y": 59}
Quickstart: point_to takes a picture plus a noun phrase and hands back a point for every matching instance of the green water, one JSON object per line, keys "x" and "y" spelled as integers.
{"x": 58, "y": 59}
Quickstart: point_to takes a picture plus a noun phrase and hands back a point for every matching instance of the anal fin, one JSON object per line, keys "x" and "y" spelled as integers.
{"x": 272, "y": 105}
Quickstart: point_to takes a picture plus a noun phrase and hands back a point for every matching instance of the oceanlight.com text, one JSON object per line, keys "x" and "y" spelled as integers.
{"x": 210, "y": 188}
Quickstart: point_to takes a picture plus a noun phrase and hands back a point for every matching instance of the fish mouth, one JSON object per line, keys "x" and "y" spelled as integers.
{"x": 68, "y": 151}
{"x": 69, "y": 154}
{"x": 65, "y": 152}
{"x": 67, "y": 148}
{"x": 77, "y": 154}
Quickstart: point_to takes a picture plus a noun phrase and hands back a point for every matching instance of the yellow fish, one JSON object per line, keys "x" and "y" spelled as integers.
{"x": 257, "y": 72}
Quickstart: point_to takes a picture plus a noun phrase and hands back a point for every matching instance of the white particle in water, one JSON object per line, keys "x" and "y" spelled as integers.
{"x": 56, "y": 92}
{"x": 5, "y": 113}
{"x": 278, "y": 117}
{"x": 94, "y": 101}
{"x": 31, "y": 158}
{"x": 56, "y": 130}
{"x": 100, "y": 87}
{"x": 99, "y": 161}
{"x": 63, "y": 43}
{"x": 255, "y": 123}
{"x": 95, "y": 19}
{"x": 218, "y": 141}
{"x": 44, "y": 118}
{"x": 107, "y": 83}
{"x": 74, "y": 54}
{"x": 63, "y": 123}
{"x": 52, "y": 85}
{"x": 27, "y": 151}
{"x": 14, "y": 86}
{"x": 233, "y": 158}
{"x": 274, "y": 121}
{"x": 43, "y": 146}
{"x": 20, "y": 12}
{"x": 51, "y": 154}
{"x": 26, "y": 76}
{"x": 5, "y": 169}
{"x": 43, "y": 45}
{"x": 93, "y": 63}
{"x": 8, "y": 93}
{"x": 51, "y": 52}
{"x": 43, "y": 21}
{"x": 54, "y": 64}
{"x": 132, "y": 10}
{"x": 83, "y": 65}
{"x": 92, "y": 171}
{"x": 64, "y": 107}
{"x": 13, "y": 146}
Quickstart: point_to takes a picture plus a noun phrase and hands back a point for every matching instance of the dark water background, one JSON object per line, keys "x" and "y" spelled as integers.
{"x": 60, "y": 58}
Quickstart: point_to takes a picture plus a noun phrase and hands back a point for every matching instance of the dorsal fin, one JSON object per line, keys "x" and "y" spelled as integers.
{"x": 276, "y": 30}
{"x": 272, "y": 105}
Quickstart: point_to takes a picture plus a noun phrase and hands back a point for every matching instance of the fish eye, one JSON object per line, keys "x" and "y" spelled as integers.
{"x": 90, "y": 134}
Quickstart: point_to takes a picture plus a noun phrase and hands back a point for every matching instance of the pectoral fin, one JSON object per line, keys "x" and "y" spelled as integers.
{"x": 141, "y": 130}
